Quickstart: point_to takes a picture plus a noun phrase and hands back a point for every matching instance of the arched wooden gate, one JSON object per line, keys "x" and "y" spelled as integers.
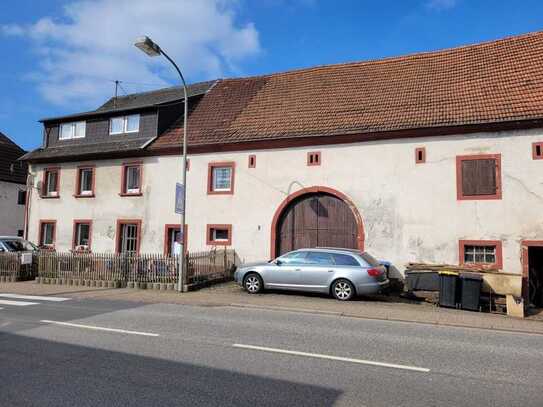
{"x": 316, "y": 219}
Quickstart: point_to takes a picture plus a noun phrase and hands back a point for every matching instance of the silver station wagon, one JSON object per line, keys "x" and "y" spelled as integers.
{"x": 343, "y": 273}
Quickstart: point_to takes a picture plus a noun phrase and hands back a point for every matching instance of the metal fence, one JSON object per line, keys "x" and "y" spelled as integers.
{"x": 210, "y": 266}
{"x": 201, "y": 267}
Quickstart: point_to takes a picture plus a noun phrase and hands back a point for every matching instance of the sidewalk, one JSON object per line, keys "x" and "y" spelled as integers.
{"x": 229, "y": 294}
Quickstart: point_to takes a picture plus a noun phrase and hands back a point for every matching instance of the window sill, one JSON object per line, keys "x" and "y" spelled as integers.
{"x": 84, "y": 196}
{"x": 210, "y": 192}
{"x": 495, "y": 197}
{"x": 219, "y": 243}
{"x": 49, "y": 197}
{"x": 484, "y": 266}
{"x": 123, "y": 194}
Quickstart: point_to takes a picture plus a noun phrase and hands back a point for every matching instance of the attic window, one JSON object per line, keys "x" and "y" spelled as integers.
{"x": 124, "y": 124}
{"x": 252, "y": 161}
{"x": 420, "y": 155}
{"x": 72, "y": 130}
{"x": 314, "y": 158}
{"x": 537, "y": 151}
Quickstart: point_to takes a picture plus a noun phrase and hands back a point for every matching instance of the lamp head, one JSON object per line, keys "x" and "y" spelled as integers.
{"x": 147, "y": 45}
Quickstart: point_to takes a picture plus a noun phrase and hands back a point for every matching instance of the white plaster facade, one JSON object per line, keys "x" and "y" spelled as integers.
{"x": 410, "y": 211}
{"x": 11, "y": 213}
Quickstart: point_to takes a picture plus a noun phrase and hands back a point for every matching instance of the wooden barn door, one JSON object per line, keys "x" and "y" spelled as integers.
{"x": 316, "y": 220}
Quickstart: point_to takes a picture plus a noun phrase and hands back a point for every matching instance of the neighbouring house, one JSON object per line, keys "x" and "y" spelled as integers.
{"x": 12, "y": 188}
{"x": 429, "y": 157}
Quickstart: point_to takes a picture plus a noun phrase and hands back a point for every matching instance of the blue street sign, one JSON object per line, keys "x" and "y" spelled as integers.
{"x": 179, "y": 194}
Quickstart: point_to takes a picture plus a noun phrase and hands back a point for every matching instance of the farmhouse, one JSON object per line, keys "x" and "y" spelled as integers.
{"x": 428, "y": 157}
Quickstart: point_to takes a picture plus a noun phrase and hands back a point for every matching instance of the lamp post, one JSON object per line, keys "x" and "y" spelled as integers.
{"x": 152, "y": 49}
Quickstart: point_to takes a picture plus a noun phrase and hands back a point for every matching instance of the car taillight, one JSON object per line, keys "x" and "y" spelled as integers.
{"x": 375, "y": 272}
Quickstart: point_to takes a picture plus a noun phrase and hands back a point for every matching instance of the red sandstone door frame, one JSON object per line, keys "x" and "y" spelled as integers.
{"x": 525, "y": 260}
{"x": 311, "y": 190}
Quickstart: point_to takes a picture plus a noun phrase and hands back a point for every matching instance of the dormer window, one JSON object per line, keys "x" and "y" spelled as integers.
{"x": 124, "y": 124}
{"x": 72, "y": 130}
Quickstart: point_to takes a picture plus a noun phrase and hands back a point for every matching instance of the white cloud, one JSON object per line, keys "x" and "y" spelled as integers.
{"x": 441, "y": 4}
{"x": 93, "y": 40}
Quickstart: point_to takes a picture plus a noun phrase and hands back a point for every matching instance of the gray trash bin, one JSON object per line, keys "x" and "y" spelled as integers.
{"x": 470, "y": 298}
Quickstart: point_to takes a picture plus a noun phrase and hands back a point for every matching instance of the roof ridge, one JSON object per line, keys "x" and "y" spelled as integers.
{"x": 409, "y": 56}
{"x": 159, "y": 90}
{"x": 4, "y": 138}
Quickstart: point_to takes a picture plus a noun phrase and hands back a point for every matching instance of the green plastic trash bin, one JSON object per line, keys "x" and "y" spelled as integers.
{"x": 470, "y": 298}
{"x": 448, "y": 289}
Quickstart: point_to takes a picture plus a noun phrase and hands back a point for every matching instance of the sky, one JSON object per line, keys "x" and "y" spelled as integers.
{"x": 63, "y": 56}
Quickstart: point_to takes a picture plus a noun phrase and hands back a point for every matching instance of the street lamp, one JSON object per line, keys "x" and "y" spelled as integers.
{"x": 152, "y": 49}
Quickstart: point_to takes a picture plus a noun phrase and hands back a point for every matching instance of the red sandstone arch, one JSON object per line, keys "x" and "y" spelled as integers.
{"x": 312, "y": 190}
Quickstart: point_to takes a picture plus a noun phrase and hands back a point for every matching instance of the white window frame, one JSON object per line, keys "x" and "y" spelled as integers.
{"x": 126, "y": 179}
{"x": 73, "y": 132}
{"x": 213, "y": 188}
{"x": 129, "y": 237}
{"x": 480, "y": 250}
{"x": 214, "y": 237}
{"x": 81, "y": 190}
{"x": 45, "y": 226}
{"x": 125, "y": 124}
{"x": 78, "y": 235}
{"x": 48, "y": 175}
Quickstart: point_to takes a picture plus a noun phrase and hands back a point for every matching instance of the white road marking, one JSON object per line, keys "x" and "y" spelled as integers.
{"x": 328, "y": 357}
{"x": 34, "y": 297}
{"x": 1, "y": 308}
{"x": 17, "y": 303}
{"x": 99, "y": 328}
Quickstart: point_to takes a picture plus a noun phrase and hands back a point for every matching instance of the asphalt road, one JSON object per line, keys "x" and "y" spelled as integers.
{"x": 110, "y": 353}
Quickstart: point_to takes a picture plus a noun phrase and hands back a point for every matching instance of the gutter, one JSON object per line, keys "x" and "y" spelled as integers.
{"x": 146, "y": 144}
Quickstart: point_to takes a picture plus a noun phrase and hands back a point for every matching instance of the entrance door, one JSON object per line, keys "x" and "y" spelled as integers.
{"x": 316, "y": 220}
{"x": 535, "y": 276}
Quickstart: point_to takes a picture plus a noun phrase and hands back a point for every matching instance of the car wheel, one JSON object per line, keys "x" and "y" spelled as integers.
{"x": 253, "y": 283}
{"x": 343, "y": 290}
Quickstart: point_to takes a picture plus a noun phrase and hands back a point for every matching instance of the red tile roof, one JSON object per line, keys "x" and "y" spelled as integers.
{"x": 493, "y": 82}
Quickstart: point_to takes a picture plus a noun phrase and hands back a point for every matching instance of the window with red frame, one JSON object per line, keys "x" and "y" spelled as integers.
{"x": 131, "y": 179}
{"x": 50, "y": 186}
{"x": 486, "y": 253}
{"x": 219, "y": 235}
{"x": 221, "y": 178}
{"x": 128, "y": 236}
{"x": 479, "y": 176}
{"x": 47, "y": 234}
{"x": 85, "y": 181}
{"x": 252, "y": 161}
{"x": 420, "y": 155}
{"x": 537, "y": 151}
{"x": 82, "y": 235}
{"x": 314, "y": 158}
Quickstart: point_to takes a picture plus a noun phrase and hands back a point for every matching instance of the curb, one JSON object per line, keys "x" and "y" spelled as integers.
{"x": 402, "y": 320}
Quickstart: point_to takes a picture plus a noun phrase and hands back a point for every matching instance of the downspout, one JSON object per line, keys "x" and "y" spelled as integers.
{"x": 27, "y": 201}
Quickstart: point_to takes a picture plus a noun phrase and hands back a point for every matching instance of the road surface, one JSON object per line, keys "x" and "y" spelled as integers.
{"x": 59, "y": 351}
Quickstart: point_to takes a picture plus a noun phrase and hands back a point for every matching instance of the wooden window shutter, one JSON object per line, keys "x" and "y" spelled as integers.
{"x": 486, "y": 177}
{"x": 479, "y": 177}
{"x": 469, "y": 177}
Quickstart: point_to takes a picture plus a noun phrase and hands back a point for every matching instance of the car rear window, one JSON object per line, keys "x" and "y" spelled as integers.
{"x": 345, "y": 260}
{"x": 368, "y": 258}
